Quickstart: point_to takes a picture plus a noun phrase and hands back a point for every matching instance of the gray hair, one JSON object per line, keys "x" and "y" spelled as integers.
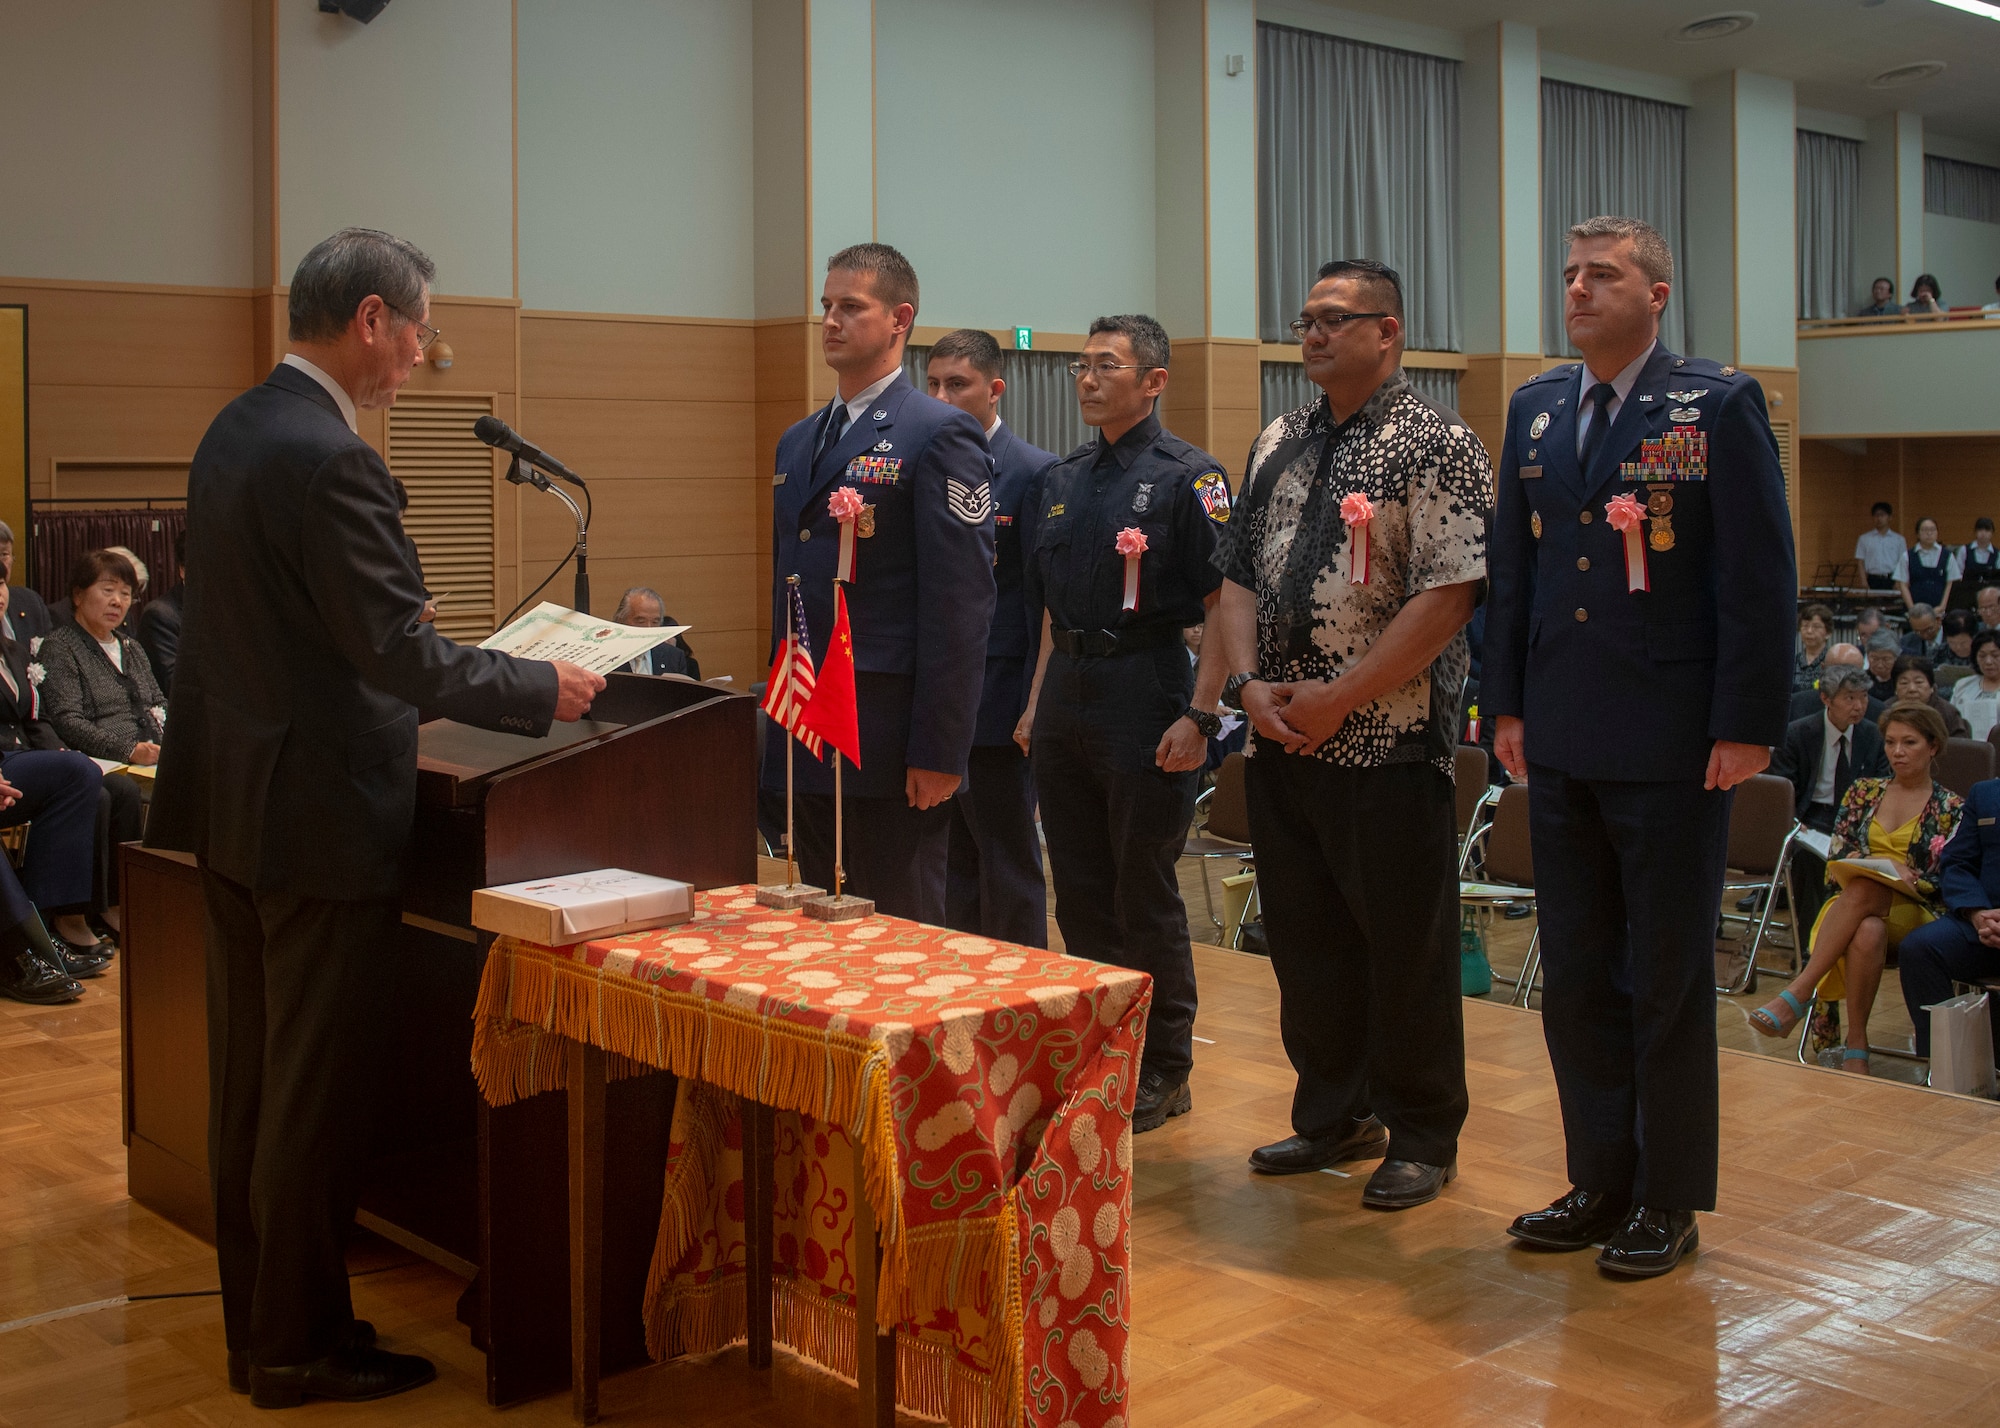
{"x": 1923, "y": 612}
{"x": 6, "y": 534}
{"x": 625, "y": 602}
{"x": 1840, "y": 678}
{"x": 342, "y": 271}
{"x": 1655, "y": 258}
{"x": 1883, "y": 640}
{"x": 1150, "y": 347}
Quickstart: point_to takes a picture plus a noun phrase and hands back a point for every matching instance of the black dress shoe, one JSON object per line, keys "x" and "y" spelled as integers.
{"x": 1296, "y": 1154}
{"x": 1160, "y": 1096}
{"x": 1400, "y": 1184}
{"x": 28, "y": 977}
{"x": 82, "y": 961}
{"x": 345, "y": 1375}
{"x": 1651, "y": 1242}
{"x": 362, "y": 1336}
{"x": 1579, "y": 1220}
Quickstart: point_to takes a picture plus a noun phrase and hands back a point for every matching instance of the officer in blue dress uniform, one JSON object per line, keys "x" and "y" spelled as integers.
{"x": 919, "y": 601}
{"x": 1117, "y": 722}
{"x": 1633, "y": 712}
{"x": 994, "y": 884}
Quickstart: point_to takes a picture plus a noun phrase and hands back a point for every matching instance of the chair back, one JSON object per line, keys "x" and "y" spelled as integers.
{"x": 1228, "y": 810}
{"x": 1509, "y": 859}
{"x": 1948, "y": 676}
{"x": 1963, "y": 763}
{"x": 1760, "y": 818}
{"x": 1470, "y": 779}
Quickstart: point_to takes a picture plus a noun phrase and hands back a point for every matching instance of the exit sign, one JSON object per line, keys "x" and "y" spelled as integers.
{"x": 1024, "y": 339}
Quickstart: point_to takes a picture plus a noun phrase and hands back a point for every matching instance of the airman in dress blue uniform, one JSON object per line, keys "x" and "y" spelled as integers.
{"x": 920, "y": 598}
{"x": 994, "y": 884}
{"x": 1116, "y": 738}
{"x": 1638, "y": 657}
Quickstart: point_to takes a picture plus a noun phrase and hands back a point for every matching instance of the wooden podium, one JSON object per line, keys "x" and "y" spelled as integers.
{"x": 661, "y": 779}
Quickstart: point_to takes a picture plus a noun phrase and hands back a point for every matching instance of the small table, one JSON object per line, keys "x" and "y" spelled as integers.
{"x": 885, "y": 1130}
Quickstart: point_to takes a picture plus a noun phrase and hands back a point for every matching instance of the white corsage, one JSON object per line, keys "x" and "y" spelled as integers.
{"x": 35, "y": 644}
{"x": 159, "y": 713}
{"x": 36, "y": 674}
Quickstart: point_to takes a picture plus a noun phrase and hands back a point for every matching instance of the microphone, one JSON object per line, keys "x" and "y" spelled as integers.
{"x": 496, "y": 433}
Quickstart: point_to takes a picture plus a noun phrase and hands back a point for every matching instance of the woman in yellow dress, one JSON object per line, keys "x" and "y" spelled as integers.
{"x": 1906, "y": 819}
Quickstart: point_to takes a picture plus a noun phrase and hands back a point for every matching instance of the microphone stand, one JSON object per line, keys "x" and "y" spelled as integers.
{"x": 523, "y": 474}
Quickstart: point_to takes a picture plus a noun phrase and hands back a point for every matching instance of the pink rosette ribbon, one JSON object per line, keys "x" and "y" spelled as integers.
{"x": 1131, "y": 545}
{"x": 845, "y": 506}
{"x": 1359, "y": 513}
{"x": 1628, "y": 516}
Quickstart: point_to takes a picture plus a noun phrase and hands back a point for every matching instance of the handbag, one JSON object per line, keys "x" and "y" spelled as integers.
{"x": 1962, "y": 1046}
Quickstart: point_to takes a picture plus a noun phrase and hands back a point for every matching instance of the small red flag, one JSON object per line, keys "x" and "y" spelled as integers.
{"x": 832, "y": 714}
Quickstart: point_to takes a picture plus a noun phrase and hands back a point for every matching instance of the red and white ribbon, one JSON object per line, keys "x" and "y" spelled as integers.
{"x": 1359, "y": 513}
{"x": 1627, "y": 515}
{"x": 845, "y": 506}
{"x": 1131, "y": 545}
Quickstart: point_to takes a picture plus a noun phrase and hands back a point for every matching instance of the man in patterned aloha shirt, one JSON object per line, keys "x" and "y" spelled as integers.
{"x": 1351, "y": 564}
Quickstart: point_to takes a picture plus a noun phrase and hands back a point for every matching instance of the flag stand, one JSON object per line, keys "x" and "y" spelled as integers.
{"x": 840, "y": 907}
{"x": 791, "y": 893}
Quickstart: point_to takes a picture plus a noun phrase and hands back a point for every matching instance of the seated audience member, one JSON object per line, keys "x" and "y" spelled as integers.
{"x": 1993, "y": 307}
{"x": 160, "y": 622}
{"x": 1957, "y": 627}
{"x": 1866, "y": 625}
{"x": 1906, "y": 818}
{"x": 63, "y": 611}
{"x": 1963, "y": 943}
{"x": 23, "y": 612}
{"x": 1989, "y": 607}
{"x": 645, "y": 609}
{"x": 1977, "y": 697}
{"x": 1925, "y": 297}
{"x": 1881, "y": 300}
{"x": 1926, "y": 636}
{"x": 1823, "y": 753}
{"x": 98, "y": 686}
{"x": 1880, "y": 549}
{"x": 1916, "y": 683}
{"x": 1806, "y": 703}
{"x": 1815, "y": 630}
{"x": 1980, "y": 556}
{"x": 1927, "y": 570}
{"x": 1883, "y": 652}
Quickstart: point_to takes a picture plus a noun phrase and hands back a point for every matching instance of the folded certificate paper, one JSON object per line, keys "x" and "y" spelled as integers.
{"x": 558, "y": 911}
{"x": 1878, "y": 870}
{"x": 550, "y": 632}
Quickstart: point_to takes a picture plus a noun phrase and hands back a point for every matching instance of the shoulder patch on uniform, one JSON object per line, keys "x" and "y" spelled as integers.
{"x": 1213, "y": 488}
{"x": 971, "y": 504}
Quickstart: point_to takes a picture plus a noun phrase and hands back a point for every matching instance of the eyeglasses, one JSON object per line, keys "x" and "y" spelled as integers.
{"x": 1329, "y": 323}
{"x": 431, "y": 334}
{"x": 1101, "y": 370}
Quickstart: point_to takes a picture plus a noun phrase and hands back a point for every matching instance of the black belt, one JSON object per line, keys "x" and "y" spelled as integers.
{"x": 1098, "y": 644}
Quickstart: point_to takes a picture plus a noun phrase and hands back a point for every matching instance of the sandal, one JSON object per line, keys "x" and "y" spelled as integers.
{"x": 1849, "y": 1054}
{"x": 1765, "y": 1021}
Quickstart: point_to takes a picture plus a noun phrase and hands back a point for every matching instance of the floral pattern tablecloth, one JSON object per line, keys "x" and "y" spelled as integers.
{"x": 989, "y": 1085}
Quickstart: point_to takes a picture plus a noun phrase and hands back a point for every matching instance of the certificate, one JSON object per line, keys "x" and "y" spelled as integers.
{"x": 551, "y": 632}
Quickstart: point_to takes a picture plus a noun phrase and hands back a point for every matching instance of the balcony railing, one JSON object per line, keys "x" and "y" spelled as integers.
{"x": 1951, "y": 318}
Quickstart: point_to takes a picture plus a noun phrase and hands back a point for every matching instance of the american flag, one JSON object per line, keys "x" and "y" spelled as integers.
{"x": 791, "y": 684}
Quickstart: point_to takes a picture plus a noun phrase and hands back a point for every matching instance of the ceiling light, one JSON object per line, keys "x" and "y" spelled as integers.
{"x": 1980, "y": 8}
{"x": 1904, "y": 75}
{"x": 1714, "y": 27}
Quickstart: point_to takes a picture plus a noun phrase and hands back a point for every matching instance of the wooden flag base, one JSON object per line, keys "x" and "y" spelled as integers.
{"x": 788, "y": 895}
{"x": 845, "y": 908}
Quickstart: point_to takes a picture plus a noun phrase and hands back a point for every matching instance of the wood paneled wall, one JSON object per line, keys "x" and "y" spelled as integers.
{"x": 1214, "y": 398}
{"x": 1954, "y": 479}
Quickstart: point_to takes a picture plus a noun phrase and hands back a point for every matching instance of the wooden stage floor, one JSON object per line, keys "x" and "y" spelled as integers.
{"x": 1852, "y": 1275}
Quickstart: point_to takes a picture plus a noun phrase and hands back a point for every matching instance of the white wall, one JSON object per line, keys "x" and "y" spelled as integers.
{"x": 1963, "y": 254}
{"x": 1014, "y": 151}
{"x": 636, "y": 157}
{"x": 127, "y": 148}
{"x": 405, "y": 124}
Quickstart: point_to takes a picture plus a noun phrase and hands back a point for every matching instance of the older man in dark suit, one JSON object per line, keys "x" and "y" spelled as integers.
{"x": 289, "y": 770}
{"x": 1822, "y": 754}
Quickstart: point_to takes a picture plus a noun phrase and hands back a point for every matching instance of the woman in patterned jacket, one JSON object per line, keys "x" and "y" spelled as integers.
{"x": 1906, "y": 819}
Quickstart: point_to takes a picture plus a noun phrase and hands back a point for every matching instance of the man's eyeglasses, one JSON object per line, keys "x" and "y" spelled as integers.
{"x": 1101, "y": 370}
{"x": 430, "y": 334}
{"x": 1328, "y": 323}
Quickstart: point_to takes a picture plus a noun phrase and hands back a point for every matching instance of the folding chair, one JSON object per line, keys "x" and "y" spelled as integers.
{"x": 1762, "y": 831}
{"x": 1475, "y": 797}
{"x": 1224, "y": 819}
{"x": 1508, "y": 877}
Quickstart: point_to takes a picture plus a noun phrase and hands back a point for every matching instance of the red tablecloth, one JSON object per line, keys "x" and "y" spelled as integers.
{"x": 990, "y": 1087}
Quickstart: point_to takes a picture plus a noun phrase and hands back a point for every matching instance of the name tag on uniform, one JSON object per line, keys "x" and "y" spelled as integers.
{"x": 1986, "y": 823}
{"x": 1531, "y": 473}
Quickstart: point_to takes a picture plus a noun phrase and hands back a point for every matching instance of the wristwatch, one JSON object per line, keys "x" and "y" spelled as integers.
{"x": 1232, "y": 688}
{"x": 1209, "y": 724}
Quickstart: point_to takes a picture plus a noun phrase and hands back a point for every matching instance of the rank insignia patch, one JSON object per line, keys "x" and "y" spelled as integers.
{"x": 971, "y": 504}
{"x": 1213, "y": 488}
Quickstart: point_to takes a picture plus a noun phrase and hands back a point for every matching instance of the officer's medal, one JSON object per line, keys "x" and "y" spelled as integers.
{"x": 864, "y": 523}
{"x": 1142, "y": 499}
{"x": 1660, "y": 515}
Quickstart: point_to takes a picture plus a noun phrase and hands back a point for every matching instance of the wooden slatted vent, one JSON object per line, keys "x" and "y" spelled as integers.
{"x": 1782, "y": 431}
{"x": 449, "y": 473}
